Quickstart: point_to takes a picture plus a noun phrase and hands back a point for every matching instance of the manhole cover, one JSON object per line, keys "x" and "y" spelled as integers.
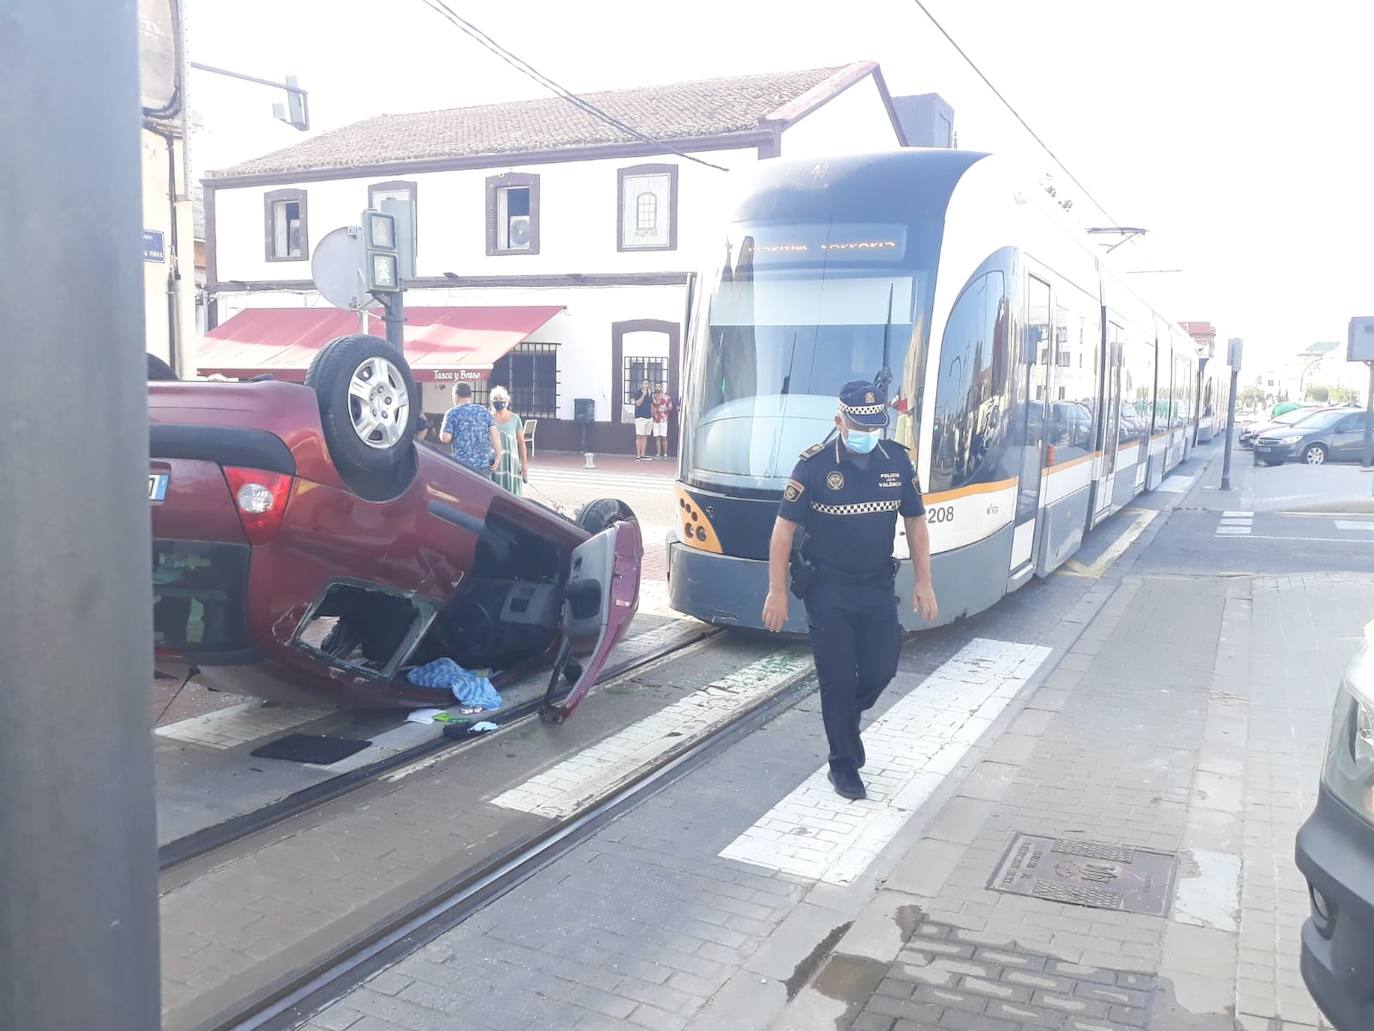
{"x": 1087, "y": 873}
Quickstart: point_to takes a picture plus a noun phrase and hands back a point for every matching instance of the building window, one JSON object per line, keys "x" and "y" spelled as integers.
{"x": 637, "y": 370}
{"x": 513, "y": 214}
{"x": 646, "y": 212}
{"x": 646, "y": 218}
{"x": 401, "y": 191}
{"x": 287, "y": 235}
{"x": 530, "y": 373}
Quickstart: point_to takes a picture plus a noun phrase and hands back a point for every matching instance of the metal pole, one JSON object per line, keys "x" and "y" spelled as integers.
{"x": 1230, "y": 432}
{"x": 78, "y": 852}
{"x": 1368, "y": 462}
{"x": 394, "y": 315}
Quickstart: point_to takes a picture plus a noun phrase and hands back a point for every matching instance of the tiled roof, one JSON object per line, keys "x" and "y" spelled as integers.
{"x": 710, "y": 107}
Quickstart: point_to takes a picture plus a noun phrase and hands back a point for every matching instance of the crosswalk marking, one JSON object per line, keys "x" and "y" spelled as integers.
{"x": 577, "y": 782}
{"x": 239, "y": 724}
{"x": 912, "y": 748}
{"x": 1235, "y": 524}
{"x": 1351, "y": 524}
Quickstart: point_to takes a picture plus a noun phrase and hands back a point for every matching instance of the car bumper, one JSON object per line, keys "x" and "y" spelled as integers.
{"x": 1334, "y": 852}
{"x": 1273, "y": 452}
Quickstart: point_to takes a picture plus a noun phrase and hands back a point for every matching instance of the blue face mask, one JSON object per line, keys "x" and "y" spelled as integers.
{"x": 861, "y": 442}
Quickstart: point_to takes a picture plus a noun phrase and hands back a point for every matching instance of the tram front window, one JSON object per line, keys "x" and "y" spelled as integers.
{"x": 796, "y": 313}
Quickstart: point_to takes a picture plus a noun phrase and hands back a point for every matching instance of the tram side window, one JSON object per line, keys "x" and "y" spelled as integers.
{"x": 970, "y": 393}
{"x": 1072, "y": 428}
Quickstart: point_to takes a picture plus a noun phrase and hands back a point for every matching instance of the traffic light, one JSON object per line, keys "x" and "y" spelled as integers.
{"x": 381, "y": 259}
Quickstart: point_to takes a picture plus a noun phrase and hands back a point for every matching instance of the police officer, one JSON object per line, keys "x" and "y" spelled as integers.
{"x": 847, "y": 493}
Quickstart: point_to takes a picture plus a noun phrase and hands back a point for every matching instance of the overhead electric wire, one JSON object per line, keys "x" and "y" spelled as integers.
{"x": 1015, "y": 114}
{"x": 525, "y": 68}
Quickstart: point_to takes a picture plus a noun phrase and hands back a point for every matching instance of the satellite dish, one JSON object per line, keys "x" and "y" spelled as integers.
{"x": 337, "y": 268}
{"x": 519, "y": 232}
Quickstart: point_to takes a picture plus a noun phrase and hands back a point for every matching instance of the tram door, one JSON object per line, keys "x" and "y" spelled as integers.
{"x": 1035, "y": 401}
{"x": 1111, "y": 425}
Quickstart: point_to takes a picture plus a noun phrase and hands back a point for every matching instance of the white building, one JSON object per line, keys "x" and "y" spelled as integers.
{"x": 553, "y": 250}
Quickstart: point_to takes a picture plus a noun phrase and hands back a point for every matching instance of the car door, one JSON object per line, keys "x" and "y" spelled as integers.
{"x": 1347, "y": 438}
{"x": 599, "y": 601}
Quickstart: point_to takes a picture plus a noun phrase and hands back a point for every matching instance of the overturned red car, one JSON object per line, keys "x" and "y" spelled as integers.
{"x": 305, "y": 549}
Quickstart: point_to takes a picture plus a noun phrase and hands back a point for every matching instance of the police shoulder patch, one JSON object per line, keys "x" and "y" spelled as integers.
{"x": 793, "y": 490}
{"x": 813, "y": 450}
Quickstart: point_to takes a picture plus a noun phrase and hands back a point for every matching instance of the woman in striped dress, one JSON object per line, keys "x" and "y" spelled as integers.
{"x": 512, "y": 470}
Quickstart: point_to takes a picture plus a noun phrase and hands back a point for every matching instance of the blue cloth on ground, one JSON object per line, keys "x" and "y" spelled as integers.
{"x": 470, "y": 689}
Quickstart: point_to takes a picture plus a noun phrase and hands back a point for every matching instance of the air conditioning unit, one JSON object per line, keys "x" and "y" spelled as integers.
{"x": 518, "y": 232}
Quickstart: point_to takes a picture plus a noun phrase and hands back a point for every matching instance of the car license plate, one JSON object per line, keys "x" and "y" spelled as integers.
{"x": 157, "y": 486}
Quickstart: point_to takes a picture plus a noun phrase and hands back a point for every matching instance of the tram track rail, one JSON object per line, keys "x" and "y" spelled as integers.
{"x": 180, "y": 852}
{"x": 292, "y": 998}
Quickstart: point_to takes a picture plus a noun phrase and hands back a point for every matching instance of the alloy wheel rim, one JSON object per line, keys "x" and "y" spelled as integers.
{"x": 1315, "y": 456}
{"x": 378, "y": 403}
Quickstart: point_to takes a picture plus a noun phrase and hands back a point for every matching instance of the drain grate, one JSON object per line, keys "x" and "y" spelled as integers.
{"x": 1087, "y": 873}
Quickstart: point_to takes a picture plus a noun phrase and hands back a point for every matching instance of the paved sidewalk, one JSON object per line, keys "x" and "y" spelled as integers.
{"x": 1189, "y": 719}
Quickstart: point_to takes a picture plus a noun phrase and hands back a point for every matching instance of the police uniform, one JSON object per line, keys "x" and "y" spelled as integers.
{"x": 848, "y": 505}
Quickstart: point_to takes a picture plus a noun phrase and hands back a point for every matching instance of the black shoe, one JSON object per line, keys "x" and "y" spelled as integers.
{"x": 847, "y": 784}
{"x": 863, "y": 756}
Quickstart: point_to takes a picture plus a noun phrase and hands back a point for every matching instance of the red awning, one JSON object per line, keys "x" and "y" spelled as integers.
{"x": 440, "y": 343}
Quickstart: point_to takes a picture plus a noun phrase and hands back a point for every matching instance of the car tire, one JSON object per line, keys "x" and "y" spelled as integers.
{"x": 159, "y": 371}
{"x": 1314, "y": 454}
{"x": 596, "y": 515}
{"x": 367, "y": 399}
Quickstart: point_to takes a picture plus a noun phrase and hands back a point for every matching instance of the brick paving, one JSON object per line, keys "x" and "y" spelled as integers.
{"x": 1189, "y": 718}
{"x": 645, "y": 925}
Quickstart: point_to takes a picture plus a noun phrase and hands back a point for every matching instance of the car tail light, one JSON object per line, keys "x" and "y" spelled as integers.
{"x": 260, "y": 498}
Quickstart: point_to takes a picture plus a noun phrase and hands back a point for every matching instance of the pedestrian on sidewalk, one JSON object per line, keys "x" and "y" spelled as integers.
{"x": 644, "y": 421}
{"x": 660, "y": 404}
{"x": 846, "y": 494}
{"x": 469, "y": 429}
{"x": 513, "y": 465}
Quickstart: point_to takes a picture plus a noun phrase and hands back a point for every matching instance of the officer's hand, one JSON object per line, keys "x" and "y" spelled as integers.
{"x": 775, "y": 610}
{"x": 923, "y": 603}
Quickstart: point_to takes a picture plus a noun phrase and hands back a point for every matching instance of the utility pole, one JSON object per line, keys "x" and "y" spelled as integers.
{"x": 1360, "y": 348}
{"x": 1234, "y": 346}
{"x": 78, "y": 851}
{"x": 1368, "y": 462}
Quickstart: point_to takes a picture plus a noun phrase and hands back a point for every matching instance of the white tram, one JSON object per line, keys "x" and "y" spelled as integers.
{"x": 1036, "y": 392}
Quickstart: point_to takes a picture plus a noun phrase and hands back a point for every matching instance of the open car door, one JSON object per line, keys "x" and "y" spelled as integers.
{"x": 600, "y": 599}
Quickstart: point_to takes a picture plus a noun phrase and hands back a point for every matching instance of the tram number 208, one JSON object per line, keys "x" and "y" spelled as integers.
{"x": 940, "y": 514}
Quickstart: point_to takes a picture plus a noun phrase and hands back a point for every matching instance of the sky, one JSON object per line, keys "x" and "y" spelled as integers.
{"x": 1237, "y": 133}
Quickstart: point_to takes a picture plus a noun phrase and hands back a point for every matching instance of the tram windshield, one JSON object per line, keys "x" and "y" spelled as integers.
{"x": 793, "y": 313}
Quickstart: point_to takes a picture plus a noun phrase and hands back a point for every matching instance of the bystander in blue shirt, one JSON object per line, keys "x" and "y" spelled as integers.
{"x": 469, "y": 428}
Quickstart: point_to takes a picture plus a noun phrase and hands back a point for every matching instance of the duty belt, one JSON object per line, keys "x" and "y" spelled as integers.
{"x": 884, "y": 574}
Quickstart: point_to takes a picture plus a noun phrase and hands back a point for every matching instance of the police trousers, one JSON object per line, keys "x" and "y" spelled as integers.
{"x": 856, "y": 639}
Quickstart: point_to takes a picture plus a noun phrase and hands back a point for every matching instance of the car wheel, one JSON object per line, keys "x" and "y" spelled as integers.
{"x": 159, "y": 371}
{"x": 596, "y": 515}
{"x": 1315, "y": 454}
{"x": 367, "y": 397}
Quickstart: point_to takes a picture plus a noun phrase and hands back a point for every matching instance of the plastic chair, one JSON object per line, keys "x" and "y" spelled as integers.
{"x": 530, "y": 426}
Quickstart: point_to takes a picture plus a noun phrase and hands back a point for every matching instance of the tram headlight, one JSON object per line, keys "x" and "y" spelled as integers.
{"x": 1349, "y": 769}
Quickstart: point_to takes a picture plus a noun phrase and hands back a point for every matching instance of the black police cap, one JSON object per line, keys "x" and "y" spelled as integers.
{"x": 863, "y": 403}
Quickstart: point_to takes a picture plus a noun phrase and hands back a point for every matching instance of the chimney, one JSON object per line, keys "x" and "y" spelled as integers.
{"x": 927, "y": 120}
